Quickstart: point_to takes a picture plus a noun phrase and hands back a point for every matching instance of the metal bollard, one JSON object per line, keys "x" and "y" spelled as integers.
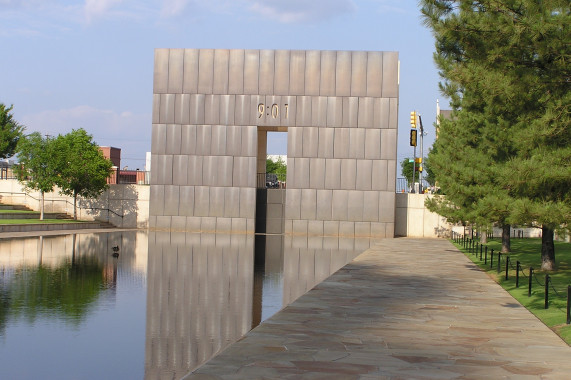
{"x": 499, "y": 261}
{"x": 530, "y": 278}
{"x": 569, "y": 304}
{"x": 486, "y": 256}
{"x": 517, "y": 274}
{"x": 481, "y": 248}
{"x": 547, "y": 279}
{"x": 507, "y": 266}
{"x": 492, "y": 259}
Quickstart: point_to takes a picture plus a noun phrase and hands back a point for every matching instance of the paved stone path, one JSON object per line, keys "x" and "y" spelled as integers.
{"x": 405, "y": 309}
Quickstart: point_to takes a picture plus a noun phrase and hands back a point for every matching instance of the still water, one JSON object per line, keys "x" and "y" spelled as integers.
{"x": 70, "y": 309}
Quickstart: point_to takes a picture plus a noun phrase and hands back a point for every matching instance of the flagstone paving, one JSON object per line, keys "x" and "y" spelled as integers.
{"x": 405, "y": 309}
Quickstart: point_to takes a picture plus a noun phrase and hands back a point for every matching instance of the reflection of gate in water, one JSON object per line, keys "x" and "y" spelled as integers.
{"x": 212, "y": 110}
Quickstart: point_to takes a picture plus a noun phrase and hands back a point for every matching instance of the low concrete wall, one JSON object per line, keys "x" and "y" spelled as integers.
{"x": 413, "y": 219}
{"x": 124, "y": 206}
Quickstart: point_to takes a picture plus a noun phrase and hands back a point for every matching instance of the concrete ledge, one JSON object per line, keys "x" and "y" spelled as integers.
{"x": 49, "y": 227}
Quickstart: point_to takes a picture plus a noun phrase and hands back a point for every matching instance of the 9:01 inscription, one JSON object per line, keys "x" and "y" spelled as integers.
{"x": 273, "y": 110}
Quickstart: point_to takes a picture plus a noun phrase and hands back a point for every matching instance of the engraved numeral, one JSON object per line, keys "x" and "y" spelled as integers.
{"x": 261, "y": 108}
{"x": 275, "y": 111}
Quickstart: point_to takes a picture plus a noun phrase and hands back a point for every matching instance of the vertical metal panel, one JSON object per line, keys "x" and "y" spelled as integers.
{"x": 194, "y": 170}
{"x": 216, "y": 201}
{"x": 220, "y": 83}
{"x": 157, "y": 200}
{"x": 318, "y": 111}
{"x": 196, "y": 109}
{"x": 290, "y": 108}
{"x": 209, "y": 170}
{"x": 176, "y": 62}
{"x": 393, "y": 114}
{"x": 308, "y": 204}
{"x": 359, "y": 73}
{"x": 339, "y": 205}
{"x": 154, "y": 173}
{"x": 190, "y": 72}
{"x": 366, "y": 113}
{"x": 356, "y": 143}
{"x": 334, "y": 112}
{"x": 203, "y": 140}
{"x": 370, "y": 206}
{"x": 281, "y": 75}
{"x": 364, "y": 174}
{"x": 341, "y": 143}
{"x": 324, "y": 202}
{"x": 297, "y": 73}
{"x": 303, "y": 114}
{"x": 266, "y": 84}
{"x": 180, "y": 172}
{"x": 348, "y": 174}
{"x": 386, "y": 206}
{"x": 257, "y": 110}
{"x": 159, "y": 136}
{"x": 161, "y": 71}
{"x": 233, "y": 141}
{"x": 355, "y": 206}
{"x": 201, "y": 200}
{"x": 186, "y": 197}
{"x": 346, "y": 229}
{"x": 379, "y": 180}
{"x": 173, "y": 139}
{"x": 302, "y": 172}
{"x": 343, "y": 74}
{"x": 391, "y": 175}
{"x": 374, "y": 73}
{"x": 156, "y": 108}
{"x": 388, "y": 144}
{"x": 188, "y": 139}
{"x": 294, "y": 142}
{"x": 317, "y": 173}
{"x": 325, "y": 145}
{"x": 165, "y": 166}
{"x": 171, "y": 200}
{"x": 218, "y": 140}
{"x": 250, "y": 180}
{"x": 182, "y": 109}
{"x": 293, "y": 204}
{"x": 333, "y": 174}
{"x": 362, "y": 230}
{"x": 251, "y": 71}
{"x": 350, "y": 112}
{"x": 328, "y": 73}
{"x": 390, "y": 74}
{"x": 227, "y": 104}
{"x": 249, "y": 141}
{"x": 315, "y": 241}
{"x": 205, "y": 71}
{"x": 312, "y": 72}
{"x": 225, "y": 166}
{"x": 167, "y": 108}
{"x": 390, "y": 230}
{"x": 212, "y": 109}
{"x": 239, "y": 171}
{"x": 331, "y": 228}
{"x": 310, "y": 141}
{"x": 247, "y": 202}
{"x": 381, "y": 115}
{"x": 232, "y": 202}
{"x": 378, "y": 230}
{"x": 236, "y": 72}
{"x": 290, "y": 177}
{"x": 372, "y": 144}
{"x": 242, "y": 110}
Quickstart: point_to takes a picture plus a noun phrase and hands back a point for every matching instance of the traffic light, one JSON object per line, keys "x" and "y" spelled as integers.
{"x": 418, "y": 160}
{"x": 413, "y": 137}
{"x": 418, "y": 168}
{"x": 413, "y": 120}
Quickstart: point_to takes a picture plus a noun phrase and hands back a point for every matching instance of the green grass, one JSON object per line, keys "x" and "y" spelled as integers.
{"x": 18, "y": 212}
{"x": 37, "y": 221}
{"x": 528, "y": 253}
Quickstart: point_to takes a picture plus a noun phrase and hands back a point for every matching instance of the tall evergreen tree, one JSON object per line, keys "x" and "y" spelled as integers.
{"x": 505, "y": 66}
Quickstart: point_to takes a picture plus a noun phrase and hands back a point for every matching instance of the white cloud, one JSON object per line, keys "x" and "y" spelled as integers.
{"x": 301, "y": 11}
{"x": 126, "y": 130}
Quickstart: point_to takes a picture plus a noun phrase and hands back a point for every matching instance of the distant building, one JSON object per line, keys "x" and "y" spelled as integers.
{"x": 122, "y": 176}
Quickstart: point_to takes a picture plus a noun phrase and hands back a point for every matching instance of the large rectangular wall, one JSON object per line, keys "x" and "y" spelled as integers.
{"x": 339, "y": 108}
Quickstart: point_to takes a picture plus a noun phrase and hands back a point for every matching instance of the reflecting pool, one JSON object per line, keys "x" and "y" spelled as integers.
{"x": 134, "y": 305}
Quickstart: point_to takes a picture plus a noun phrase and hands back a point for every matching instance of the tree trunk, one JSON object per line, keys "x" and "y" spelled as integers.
{"x": 74, "y": 206}
{"x": 547, "y": 249}
{"x": 42, "y": 196}
{"x": 484, "y": 237}
{"x": 506, "y": 238}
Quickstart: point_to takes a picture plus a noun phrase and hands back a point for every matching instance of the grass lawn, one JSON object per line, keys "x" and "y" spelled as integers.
{"x": 528, "y": 253}
{"x": 18, "y": 212}
{"x": 37, "y": 221}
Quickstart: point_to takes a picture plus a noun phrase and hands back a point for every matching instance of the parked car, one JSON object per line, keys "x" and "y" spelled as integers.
{"x": 272, "y": 181}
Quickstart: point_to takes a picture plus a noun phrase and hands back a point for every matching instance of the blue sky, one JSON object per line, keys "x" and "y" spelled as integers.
{"x": 89, "y": 63}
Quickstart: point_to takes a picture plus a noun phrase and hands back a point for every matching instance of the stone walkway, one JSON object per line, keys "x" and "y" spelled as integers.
{"x": 405, "y": 309}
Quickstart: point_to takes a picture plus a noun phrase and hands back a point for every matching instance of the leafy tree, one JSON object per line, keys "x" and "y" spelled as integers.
{"x": 81, "y": 166}
{"x": 10, "y": 132}
{"x": 37, "y": 166}
{"x": 506, "y": 71}
{"x": 278, "y": 167}
{"x": 408, "y": 167}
